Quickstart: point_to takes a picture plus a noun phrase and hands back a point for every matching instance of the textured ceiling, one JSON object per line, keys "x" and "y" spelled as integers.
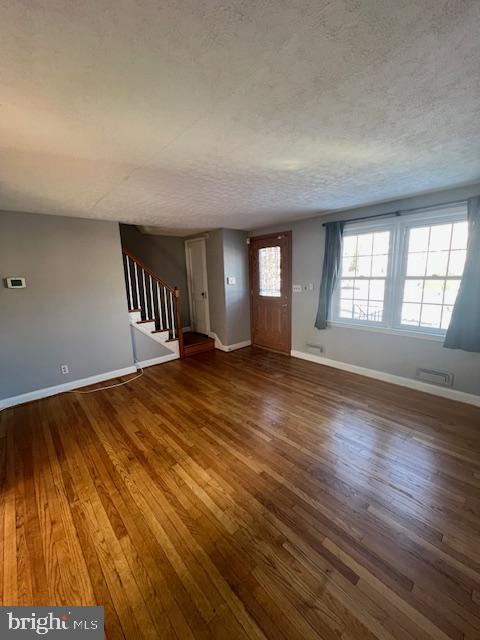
{"x": 205, "y": 113}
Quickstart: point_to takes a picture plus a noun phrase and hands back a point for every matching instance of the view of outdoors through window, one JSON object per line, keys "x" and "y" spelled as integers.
{"x": 419, "y": 266}
{"x": 435, "y": 261}
{"x": 364, "y": 271}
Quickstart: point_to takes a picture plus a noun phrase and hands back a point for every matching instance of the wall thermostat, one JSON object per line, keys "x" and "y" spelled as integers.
{"x": 15, "y": 283}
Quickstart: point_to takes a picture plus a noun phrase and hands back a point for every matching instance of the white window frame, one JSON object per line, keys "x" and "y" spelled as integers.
{"x": 397, "y": 268}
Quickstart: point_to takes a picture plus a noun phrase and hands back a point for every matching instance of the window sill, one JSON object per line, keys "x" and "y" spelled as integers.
{"x": 418, "y": 335}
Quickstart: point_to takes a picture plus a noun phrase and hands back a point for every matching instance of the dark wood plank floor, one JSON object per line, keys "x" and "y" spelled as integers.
{"x": 247, "y": 495}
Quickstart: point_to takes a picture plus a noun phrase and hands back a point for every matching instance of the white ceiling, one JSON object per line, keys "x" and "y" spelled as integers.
{"x": 205, "y": 113}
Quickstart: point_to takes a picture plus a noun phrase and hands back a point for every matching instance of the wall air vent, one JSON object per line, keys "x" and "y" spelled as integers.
{"x": 442, "y": 378}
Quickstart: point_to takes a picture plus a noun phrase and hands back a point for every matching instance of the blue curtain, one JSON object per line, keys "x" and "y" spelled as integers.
{"x": 331, "y": 267}
{"x": 464, "y": 330}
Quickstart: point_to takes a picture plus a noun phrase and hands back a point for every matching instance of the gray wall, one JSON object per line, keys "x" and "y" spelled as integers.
{"x": 74, "y": 309}
{"x": 144, "y": 348}
{"x": 237, "y": 298}
{"x": 216, "y": 288}
{"x": 165, "y": 255}
{"x": 229, "y": 305}
{"x": 398, "y": 355}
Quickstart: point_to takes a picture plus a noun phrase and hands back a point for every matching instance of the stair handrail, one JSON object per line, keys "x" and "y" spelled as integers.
{"x": 141, "y": 264}
{"x": 174, "y": 290}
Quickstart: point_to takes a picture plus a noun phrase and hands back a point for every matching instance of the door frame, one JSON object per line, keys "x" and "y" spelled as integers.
{"x": 188, "y": 244}
{"x": 288, "y": 283}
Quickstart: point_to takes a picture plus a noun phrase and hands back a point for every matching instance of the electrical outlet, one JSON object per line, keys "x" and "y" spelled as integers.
{"x": 64, "y": 369}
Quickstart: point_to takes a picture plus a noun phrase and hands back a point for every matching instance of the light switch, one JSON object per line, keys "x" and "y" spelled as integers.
{"x": 297, "y": 288}
{"x": 231, "y": 280}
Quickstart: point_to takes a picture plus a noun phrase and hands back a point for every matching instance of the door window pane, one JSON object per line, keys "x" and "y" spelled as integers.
{"x": 269, "y": 264}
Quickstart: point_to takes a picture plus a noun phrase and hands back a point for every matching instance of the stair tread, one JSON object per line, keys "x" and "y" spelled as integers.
{"x": 134, "y": 310}
{"x": 160, "y": 330}
{"x": 144, "y": 321}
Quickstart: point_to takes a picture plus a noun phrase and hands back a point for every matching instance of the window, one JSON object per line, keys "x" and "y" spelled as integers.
{"x": 270, "y": 272}
{"x": 364, "y": 272}
{"x": 435, "y": 260}
{"x": 402, "y": 274}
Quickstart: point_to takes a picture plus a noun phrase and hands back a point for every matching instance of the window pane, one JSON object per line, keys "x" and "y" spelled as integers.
{"x": 375, "y": 311}
{"x": 269, "y": 272}
{"x": 381, "y": 242}
{"x": 437, "y": 263}
{"x": 360, "y": 297}
{"x": 440, "y": 237}
{"x": 413, "y": 291}
{"x": 379, "y": 266}
{"x": 365, "y": 244}
{"x": 431, "y": 315}
{"x": 411, "y": 314}
{"x": 460, "y": 235}
{"x": 346, "y": 308}
{"x": 361, "y": 289}
{"x": 417, "y": 263}
{"x": 451, "y": 290}
{"x": 433, "y": 291}
{"x": 346, "y": 290}
{"x": 434, "y": 252}
{"x": 377, "y": 289}
{"x": 349, "y": 245}
{"x": 457, "y": 263}
{"x": 446, "y": 316}
{"x": 364, "y": 265}
{"x": 360, "y": 310}
{"x": 349, "y": 266}
{"x": 418, "y": 239}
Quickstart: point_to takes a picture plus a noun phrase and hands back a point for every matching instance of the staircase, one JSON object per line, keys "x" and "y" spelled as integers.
{"x": 197, "y": 343}
{"x": 153, "y": 305}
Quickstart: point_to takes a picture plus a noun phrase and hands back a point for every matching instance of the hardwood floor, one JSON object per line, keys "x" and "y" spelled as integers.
{"x": 247, "y": 495}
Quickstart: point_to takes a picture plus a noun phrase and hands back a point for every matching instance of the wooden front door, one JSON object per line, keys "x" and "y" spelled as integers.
{"x": 271, "y": 291}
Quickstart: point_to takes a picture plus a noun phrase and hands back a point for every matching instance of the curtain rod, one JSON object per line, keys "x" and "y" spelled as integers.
{"x": 398, "y": 213}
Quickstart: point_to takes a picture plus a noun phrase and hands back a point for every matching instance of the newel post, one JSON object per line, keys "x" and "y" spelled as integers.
{"x": 179, "y": 322}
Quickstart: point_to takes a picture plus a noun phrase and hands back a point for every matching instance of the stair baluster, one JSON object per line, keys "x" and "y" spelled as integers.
{"x": 157, "y": 301}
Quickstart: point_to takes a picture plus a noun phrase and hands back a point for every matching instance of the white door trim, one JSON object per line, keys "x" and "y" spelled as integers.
{"x": 188, "y": 243}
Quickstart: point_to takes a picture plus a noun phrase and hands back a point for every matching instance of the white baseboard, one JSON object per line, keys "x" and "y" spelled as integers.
{"x": 228, "y": 347}
{"x": 38, "y": 394}
{"x": 451, "y": 394}
{"x": 160, "y": 360}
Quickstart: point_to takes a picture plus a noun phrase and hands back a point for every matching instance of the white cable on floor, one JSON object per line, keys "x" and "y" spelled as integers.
{"x": 110, "y": 386}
